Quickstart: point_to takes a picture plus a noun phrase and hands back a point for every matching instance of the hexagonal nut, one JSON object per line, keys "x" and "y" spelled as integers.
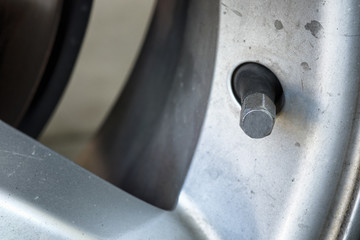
{"x": 257, "y": 117}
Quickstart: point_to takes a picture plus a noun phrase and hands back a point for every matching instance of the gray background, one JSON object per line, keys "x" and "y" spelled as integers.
{"x": 113, "y": 39}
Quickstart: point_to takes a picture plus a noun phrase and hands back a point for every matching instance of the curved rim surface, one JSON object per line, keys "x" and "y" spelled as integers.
{"x": 28, "y": 30}
{"x": 148, "y": 140}
{"x": 39, "y": 41}
{"x": 69, "y": 37}
{"x": 301, "y": 182}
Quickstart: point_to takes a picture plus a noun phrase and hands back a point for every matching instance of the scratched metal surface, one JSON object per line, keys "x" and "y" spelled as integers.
{"x": 45, "y": 196}
{"x": 298, "y": 182}
{"x": 301, "y": 182}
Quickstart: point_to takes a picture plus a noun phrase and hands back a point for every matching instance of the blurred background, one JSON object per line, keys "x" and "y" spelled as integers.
{"x": 113, "y": 39}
